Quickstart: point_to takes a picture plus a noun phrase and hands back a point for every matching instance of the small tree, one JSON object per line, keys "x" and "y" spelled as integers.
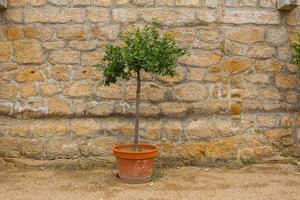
{"x": 143, "y": 49}
{"x": 296, "y": 54}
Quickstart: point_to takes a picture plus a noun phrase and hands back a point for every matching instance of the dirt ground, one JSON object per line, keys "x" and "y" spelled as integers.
{"x": 255, "y": 182}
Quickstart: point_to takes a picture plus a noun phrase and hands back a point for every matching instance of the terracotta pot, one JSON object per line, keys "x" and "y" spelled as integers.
{"x": 135, "y": 166}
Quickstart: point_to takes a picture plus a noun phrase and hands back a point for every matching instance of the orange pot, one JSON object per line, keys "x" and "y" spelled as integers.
{"x": 135, "y": 166}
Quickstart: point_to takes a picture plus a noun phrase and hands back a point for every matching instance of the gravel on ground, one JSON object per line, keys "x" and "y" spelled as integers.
{"x": 270, "y": 182}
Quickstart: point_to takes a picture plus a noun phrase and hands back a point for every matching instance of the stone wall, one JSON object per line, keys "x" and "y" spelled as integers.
{"x": 235, "y": 98}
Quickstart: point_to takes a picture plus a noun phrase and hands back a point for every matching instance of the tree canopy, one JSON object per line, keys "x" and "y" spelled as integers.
{"x": 145, "y": 49}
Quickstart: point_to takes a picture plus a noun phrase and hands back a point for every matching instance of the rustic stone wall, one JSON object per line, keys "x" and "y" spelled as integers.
{"x": 235, "y": 98}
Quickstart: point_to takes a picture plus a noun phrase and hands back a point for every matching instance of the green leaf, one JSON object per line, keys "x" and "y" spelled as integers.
{"x": 144, "y": 48}
{"x": 296, "y": 54}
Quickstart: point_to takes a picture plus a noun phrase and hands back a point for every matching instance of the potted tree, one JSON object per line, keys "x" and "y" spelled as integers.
{"x": 143, "y": 49}
{"x": 296, "y": 54}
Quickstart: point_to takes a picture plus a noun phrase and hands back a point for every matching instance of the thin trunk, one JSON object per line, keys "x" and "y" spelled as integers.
{"x": 137, "y": 110}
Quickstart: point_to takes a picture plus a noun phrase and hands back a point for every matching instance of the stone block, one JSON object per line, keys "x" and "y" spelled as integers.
{"x": 125, "y": 15}
{"x": 191, "y": 3}
{"x": 79, "y": 89}
{"x": 41, "y": 33}
{"x": 50, "y": 128}
{"x": 61, "y": 72}
{"x": 246, "y": 16}
{"x": 122, "y": 2}
{"x": 234, "y": 48}
{"x": 54, "y": 15}
{"x": 266, "y": 120}
{"x": 237, "y": 65}
{"x": 100, "y": 109}
{"x": 262, "y": 152}
{"x": 261, "y": 51}
{"x": 212, "y": 106}
{"x": 102, "y": 2}
{"x": 88, "y": 73}
{"x": 277, "y": 36}
{"x": 268, "y": 65}
{"x": 14, "y": 33}
{"x": 143, "y": 3}
{"x": 48, "y": 89}
{"x": 174, "y": 109}
{"x": 268, "y": 3}
{"x": 150, "y": 130}
{"x": 222, "y": 149}
{"x": 14, "y": 15}
{"x": 207, "y": 16}
{"x": 19, "y": 129}
{"x": 200, "y": 59}
{"x": 83, "y": 45}
{"x": 105, "y": 32}
{"x": 259, "y": 78}
{"x": 59, "y": 2}
{"x": 177, "y": 78}
{"x": 247, "y": 35}
{"x": 190, "y": 92}
{"x": 54, "y": 45}
{"x": 9, "y": 147}
{"x": 91, "y": 58}
{"x": 175, "y": 17}
{"x": 195, "y": 74}
{"x": 113, "y": 91}
{"x": 29, "y": 74}
{"x": 286, "y": 120}
{"x": 36, "y": 2}
{"x": 270, "y": 93}
{"x": 172, "y": 130}
{"x": 27, "y": 90}
{"x": 5, "y": 51}
{"x": 115, "y": 127}
{"x": 285, "y": 81}
{"x": 98, "y": 147}
{"x": 293, "y": 17}
{"x": 28, "y": 52}
{"x": 231, "y": 3}
{"x": 149, "y": 91}
{"x": 278, "y": 133}
{"x": 182, "y": 34}
{"x": 235, "y": 108}
{"x": 64, "y": 56}
{"x": 85, "y": 127}
{"x": 74, "y": 32}
{"x": 146, "y": 110}
{"x": 98, "y": 15}
{"x": 200, "y": 129}
{"x": 32, "y": 148}
{"x": 194, "y": 152}
{"x": 8, "y": 91}
{"x": 64, "y": 149}
{"x": 249, "y": 3}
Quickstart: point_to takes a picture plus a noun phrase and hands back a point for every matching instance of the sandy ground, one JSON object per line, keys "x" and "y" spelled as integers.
{"x": 255, "y": 182}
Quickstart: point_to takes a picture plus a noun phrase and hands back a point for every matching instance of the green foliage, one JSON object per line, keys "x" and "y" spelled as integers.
{"x": 296, "y": 54}
{"x": 248, "y": 162}
{"x": 157, "y": 174}
{"x": 145, "y": 49}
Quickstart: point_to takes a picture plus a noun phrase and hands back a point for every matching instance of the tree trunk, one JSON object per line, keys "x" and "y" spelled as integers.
{"x": 137, "y": 110}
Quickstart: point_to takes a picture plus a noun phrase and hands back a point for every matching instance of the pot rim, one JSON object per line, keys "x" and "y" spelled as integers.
{"x": 155, "y": 149}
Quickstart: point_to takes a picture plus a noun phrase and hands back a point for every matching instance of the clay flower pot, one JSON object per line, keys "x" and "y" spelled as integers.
{"x": 135, "y": 166}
